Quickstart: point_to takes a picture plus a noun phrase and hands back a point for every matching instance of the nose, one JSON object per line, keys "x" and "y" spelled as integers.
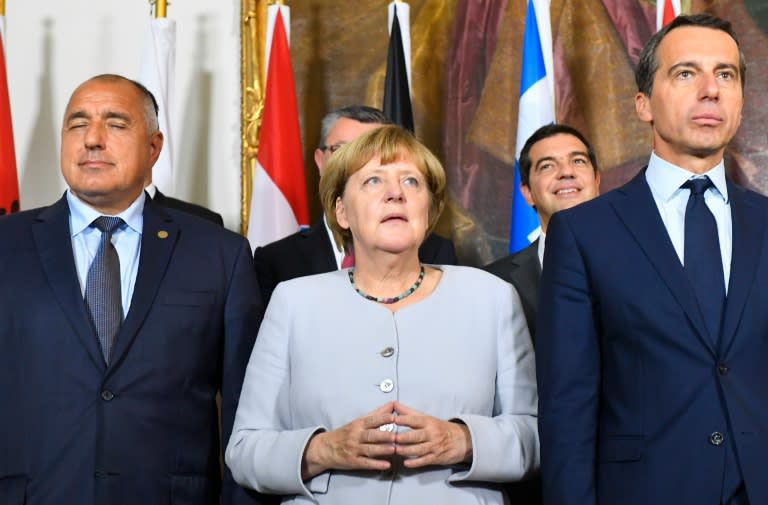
{"x": 709, "y": 89}
{"x": 94, "y": 137}
{"x": 566, "y": 170}
{"x": 394, "y": 191}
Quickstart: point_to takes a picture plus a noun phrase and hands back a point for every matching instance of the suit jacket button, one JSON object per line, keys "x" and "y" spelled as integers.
{"x": 387, "y": 352}
{"x": 387, "y": 385}
{"x": 716, "y": 438}
{"x": 107, "y": 395}
{"x": 722, "y": 369}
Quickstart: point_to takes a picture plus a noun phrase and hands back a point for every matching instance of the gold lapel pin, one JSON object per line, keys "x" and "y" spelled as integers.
{"x": 162, "y": 234}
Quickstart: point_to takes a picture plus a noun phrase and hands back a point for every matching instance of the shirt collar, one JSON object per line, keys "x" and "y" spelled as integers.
{"x": 151, "y": 189}
{"x": 82, "y": 214}
{"x": 665, "y": 179}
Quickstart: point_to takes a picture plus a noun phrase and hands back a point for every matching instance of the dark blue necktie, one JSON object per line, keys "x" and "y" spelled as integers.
{"x": 703, "y": 261}
{"x": 102, "y": 287}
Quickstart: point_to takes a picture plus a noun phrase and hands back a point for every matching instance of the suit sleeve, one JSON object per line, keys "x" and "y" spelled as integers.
{"x": 243, "y": 311}
{"x": 568, "y": 369}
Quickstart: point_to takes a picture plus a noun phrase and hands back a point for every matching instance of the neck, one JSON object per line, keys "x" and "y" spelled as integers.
{"x": 691, "y": 162}
{"x": 386, "y": 275}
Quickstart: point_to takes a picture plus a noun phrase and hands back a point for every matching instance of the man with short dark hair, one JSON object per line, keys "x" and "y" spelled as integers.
{"x": 120, "y": 321}
{"x": 651, "y": 338}
{"x": 558, "y": 170}
{"x": 311, "y": 251}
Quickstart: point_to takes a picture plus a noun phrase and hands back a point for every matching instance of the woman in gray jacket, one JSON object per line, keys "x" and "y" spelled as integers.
{"x": 390, "y": 382}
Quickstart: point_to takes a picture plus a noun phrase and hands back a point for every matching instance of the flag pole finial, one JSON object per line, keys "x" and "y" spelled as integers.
{"x": 161, "y": 8}
{"x": 2, "y": 7}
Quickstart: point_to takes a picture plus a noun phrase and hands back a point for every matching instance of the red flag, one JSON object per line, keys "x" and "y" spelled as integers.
{"x": 9, "y": 184}
{"x": 279, "y": 199}
{"x": 666, "y": 11}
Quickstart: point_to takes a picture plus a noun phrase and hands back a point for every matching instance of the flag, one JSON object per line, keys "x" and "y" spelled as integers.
{"x": 278, "y": 197}
{"x": 536, "y": 109}
{"x": 397, "y": 83}
{"x": 9, "y": 181}
{"x": 666, "y": 11}
{"x": 158, "y": 74}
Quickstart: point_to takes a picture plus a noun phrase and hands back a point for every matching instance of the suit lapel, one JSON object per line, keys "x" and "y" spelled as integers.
{"x": 640, "y": 215}
{"x": 53, "y": 239}
{"x": 748, "y": 230}
{"x": 158, "y": 240}
{"x": 318, "y": 250}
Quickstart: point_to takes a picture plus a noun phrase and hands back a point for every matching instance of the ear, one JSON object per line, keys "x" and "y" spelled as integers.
{"x": 341, "y": 214}
{"x": 319, "y": 163}
{"x": 155, "y": 146}
{"x": 643, "y": 107}
{"x": 526, "y": 192}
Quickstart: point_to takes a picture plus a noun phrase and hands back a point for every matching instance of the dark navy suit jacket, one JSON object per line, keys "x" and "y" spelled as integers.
{"x": 632, "y": 389}
{"x": 143, "y": 430}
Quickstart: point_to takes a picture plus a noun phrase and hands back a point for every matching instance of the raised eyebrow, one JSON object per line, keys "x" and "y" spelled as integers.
{"x": 542, "y": 160}
{"x": 727, "y": 66}
{"x": 117, "y": 115}
{"x": 579, "y": 153}
{"x": 683, "y": 64}
{"x": 78, "y": 114}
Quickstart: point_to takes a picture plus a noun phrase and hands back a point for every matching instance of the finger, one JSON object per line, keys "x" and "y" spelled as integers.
{"x": 412, "y": 450}
{"x": 387, "y": 408}
{"x": 412, "y": 421}
{"x": 403, "y": 409}
{"x": 374, "y": 422}
{"x": 363, "y": 463}
{"x": 377, "y": 436}
{"x": 412, "y": 437}
{"x": 378, "y": 450}
{"x": 425, "y": 460}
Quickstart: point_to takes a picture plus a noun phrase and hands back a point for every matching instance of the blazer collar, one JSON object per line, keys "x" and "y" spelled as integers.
{"x": 158, "y": 241}
{"x": 636, "y": 208}
{"x": 51, "y": 234}
{"x": 748, "y": 239}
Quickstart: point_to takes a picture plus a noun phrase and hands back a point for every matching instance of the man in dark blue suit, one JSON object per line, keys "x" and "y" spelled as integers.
{"x": 651, "y": 340}
{"x": 125, "y": 413}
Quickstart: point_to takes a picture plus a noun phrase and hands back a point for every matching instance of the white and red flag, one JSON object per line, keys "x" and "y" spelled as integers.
{"x": 278, "y": 197}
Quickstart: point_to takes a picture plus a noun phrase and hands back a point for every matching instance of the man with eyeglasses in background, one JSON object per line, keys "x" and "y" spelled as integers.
{"x": 311, "y": 251}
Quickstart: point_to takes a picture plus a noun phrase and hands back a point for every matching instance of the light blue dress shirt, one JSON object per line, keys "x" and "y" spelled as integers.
{"x": 126, "y": 239}
{"x": 665, "y": 180}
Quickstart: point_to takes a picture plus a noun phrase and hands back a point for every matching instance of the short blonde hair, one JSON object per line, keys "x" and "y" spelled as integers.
{"x": 390, "y": 143}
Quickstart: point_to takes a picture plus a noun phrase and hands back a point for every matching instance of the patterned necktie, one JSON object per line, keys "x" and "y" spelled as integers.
{"x": 702, "y": 258}
{"x": 102, "y": 287}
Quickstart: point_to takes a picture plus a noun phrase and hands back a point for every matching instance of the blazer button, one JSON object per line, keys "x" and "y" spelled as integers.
{"x": 107, "y": 395}
{"x": 387, "y": 385}
{"x": 722, "y": 369}
{"x": 387, "y": 352}
{"x": 716, "y": 438}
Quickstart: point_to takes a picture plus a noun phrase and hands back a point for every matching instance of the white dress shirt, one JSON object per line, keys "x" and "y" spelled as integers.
{"x": 665, "y": 180}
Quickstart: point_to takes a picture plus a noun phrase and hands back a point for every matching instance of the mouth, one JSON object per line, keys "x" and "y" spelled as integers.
{"x": 707, "y": 119}
{"x": 95, "y": 164}
{"x": 394, "y": 218}
{"x": 567, "y": 192}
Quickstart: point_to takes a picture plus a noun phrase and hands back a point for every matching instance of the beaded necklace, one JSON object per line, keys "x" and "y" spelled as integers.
{"x": 408, "y": 292}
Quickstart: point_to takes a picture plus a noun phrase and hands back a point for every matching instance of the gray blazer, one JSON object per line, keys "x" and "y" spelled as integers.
{"x": 319, "y": 362}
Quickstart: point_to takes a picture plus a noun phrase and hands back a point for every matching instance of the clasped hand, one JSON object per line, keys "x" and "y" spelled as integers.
{"x": 365, "y": 444}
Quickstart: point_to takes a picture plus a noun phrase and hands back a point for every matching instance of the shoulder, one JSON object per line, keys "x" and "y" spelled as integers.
{"x": 205, "y": 233}
{"x": 437, "y": 250}
{"x": 282, "y": 246}
{"x": 191, "y": 208}
{"x": 504, "y": 266}
{"x": 317, "y": 287}
{"x": 474, "y": 281}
